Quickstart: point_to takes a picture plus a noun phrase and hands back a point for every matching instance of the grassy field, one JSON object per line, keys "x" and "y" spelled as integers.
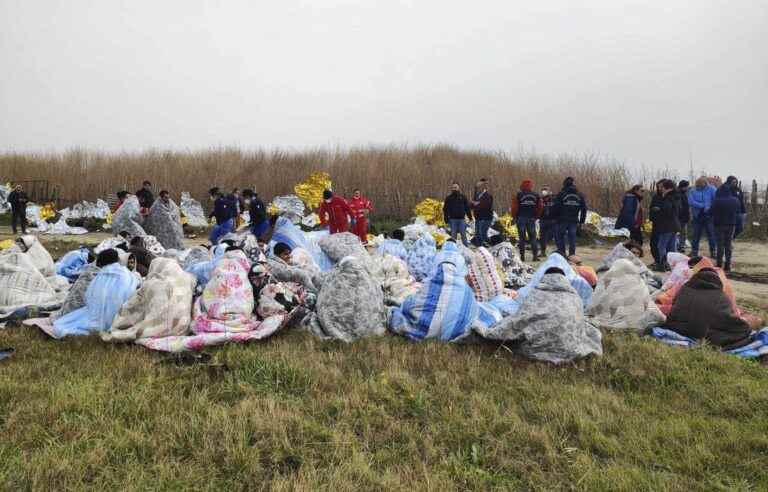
{"x": 295, "y": 413}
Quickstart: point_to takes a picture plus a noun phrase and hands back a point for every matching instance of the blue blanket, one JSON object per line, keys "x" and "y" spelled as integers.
{"x": 202, "y": 270}
{"x": 393, "y": 247}
{"x": 757, "y": 348}
{"x": 557, "y": 260}
{"x": 287, "y": 232}
{"x": 71, "y": 264}
{"x": 420, "y": 257}
{"x": 108, "y": 291}
{"x": 445, "y": 308}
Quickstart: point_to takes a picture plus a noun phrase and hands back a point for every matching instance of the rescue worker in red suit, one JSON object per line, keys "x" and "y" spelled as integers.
{"x": 361, "y": 208}
{"x": 334, "y": 212}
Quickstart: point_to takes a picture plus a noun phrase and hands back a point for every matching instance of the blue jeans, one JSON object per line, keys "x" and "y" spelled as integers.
{"x": 221, "y": 230}
{"x": 701, "y": 225}
{"x": 526, "y": 232}
{"x": 563, "y": 232}
{"x": 481, "y": 231}
{"x": 667, "y": 243}
{"x": 459, "y": 226}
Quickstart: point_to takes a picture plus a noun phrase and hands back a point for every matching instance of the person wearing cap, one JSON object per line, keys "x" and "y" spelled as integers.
{"x": 570, "y": 212}
{"x": 685, "y": 214}
{"x": 700, "y": 199}
{"x": 547, "y": 221}
{"x": 335, "y": 212}
{"x": 526, "y": 209}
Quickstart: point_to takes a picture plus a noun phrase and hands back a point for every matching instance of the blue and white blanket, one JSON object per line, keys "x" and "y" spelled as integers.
{"x": 108, "y": 291}
{"x": 287, "y": 232}
{"x": 202, "y": 270}
{"x": 71, "y": 264}
{"x": 393, "y": 247}
{"x": 421, "y": 255}
{"x": 445, "y": 308}
{"x": 557, "y": 260}
{"x": 757, "y": 348}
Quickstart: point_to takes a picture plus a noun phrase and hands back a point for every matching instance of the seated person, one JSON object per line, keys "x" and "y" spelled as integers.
{"x": 141, "y": 255}
{"x": 634, "y": 248}
{"x": 393, "y": 246}
{"x": 283, "y": 252}
{"x": 701, "y": 310}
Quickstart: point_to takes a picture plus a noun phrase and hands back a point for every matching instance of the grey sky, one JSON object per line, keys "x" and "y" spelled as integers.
{"x": 644, "y": 82}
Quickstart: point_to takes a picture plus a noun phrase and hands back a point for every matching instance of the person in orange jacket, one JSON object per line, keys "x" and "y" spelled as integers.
{"x": 361, "y": 208}
{"x": 335, "y": 212}
{"x": 527, "y": 207}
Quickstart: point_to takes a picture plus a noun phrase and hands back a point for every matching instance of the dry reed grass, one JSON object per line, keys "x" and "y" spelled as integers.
{"x": 395, "y": 178}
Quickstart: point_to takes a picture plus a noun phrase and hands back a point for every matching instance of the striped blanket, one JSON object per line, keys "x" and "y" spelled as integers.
{"x": 757, "y": 348}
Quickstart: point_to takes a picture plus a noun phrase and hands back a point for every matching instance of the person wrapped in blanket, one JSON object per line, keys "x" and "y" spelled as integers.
{"x": 549, "y": 324}
{"x": 445, "y": 308}
{"x": 72, "y": 264}
{"x": 394, "y": 245}
{"x": 106, "y": 293}
{"x": 702, "y": 311}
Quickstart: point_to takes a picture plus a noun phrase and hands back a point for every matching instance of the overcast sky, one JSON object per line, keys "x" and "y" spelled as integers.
{"x": 647, "y": 82}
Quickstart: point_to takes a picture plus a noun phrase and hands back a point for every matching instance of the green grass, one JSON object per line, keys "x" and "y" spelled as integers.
{"x": 382, "y": 414}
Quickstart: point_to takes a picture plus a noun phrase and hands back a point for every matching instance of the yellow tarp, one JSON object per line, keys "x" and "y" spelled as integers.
{"x": 47, "y": 211}
{"x": 6, "y": 244}
{"x": 311, "y": 189}
{"x": 431, "y": 211}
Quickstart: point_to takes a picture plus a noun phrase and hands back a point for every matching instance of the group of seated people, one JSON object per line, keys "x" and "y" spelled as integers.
{"x": 244, "y": 289}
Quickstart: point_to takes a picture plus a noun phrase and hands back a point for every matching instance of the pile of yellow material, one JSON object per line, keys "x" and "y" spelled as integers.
{"x": 311, "y": 190}
{"x": 648, "y": 226}
{"x": 108, "y": 220}
{"x": 594, "y": 219}
{"x": 440, "y": 238}
{"x": 272, "y": 209}
{"x": 507, "y": 224}
{"x": 6, "y": 244}
{"x": 431, "y": 211}
{"x": 47, "y": 211}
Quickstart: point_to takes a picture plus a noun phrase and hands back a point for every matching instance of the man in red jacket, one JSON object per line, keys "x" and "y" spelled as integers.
{"x": 361, "y": 207}
{"x": 334, "y": 212}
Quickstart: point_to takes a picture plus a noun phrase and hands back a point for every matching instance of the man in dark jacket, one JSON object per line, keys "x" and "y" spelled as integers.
{"x": 656, "y": 201}
{"x": 455, "y": 209}
{"x": 145, "y": 196}
{"x": 482, "y": 205}
{"x": 18, "y": 201}
{"x": 570, "y": 212}
{"x": 702, "y": 311}
{"x": 726, "y": 211}
{"x": 526, "y": 209}
{"x": 547, "y": 222}
{"x": 257, "y": 212}
{"x": 631, "y": 214}
{"x": 667, "y": 223}
{"x": 224, "y": 214}
{"x": 735, "y": 186}
{"x": 685, "y": 214}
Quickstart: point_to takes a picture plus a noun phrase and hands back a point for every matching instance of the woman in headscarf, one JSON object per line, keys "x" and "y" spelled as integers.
{"x": 141, "y": 255}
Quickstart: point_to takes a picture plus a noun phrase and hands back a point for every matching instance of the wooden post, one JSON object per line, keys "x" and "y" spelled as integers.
{"x": 753, "y": 198}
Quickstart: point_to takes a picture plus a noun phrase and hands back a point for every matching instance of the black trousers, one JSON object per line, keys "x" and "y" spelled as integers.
{"x": 655, "y": 246}
{"x": 636, "y": 234}
{"x": 19, "y": 218}
{"x": 724, "y": 238}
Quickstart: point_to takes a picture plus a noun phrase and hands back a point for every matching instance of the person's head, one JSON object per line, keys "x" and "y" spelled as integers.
{"x": 125, "y": 235}
{"x": 526, "y": 185}
{"x": 248, "y": 193}
{"x": 496, "y": 239}
{"x": 121, "y": 195}
{"x": 356, "y": 193}
{"x": 283, "y": 251}
{"x": 634, "y": 248}
{"x": 398, "y": 234}
{"x": 724, "y": 191}
{"x": 636, "y": 190}
{"x": 131, "y": 264}
{"x": 137, "y": 242}
{"x": 236, "y": 192}
{"x": 658, "y": 186}
{"x": 575, "y": 260}
{"x": 667, "y": 186}
{"x": 545, "y": 191}
{"x": 482, "y": 185}
{"x": 107, "y": 257}
{"x": 91, "y": 256}
{"x": 554, "y": 271}
{"x": 146, "y": 185}
{"x": 693, "y": 261}
{"x": 214, "y": 192}
{"x": 18, "y": 187}
{"x": 702, "y": 182}
{"x": 455, "y": 187}
{"x": 683, "y": 186}
{"x": 732, "y": 182}
{"x": 569, "y": 182}
{"x": 165, "y": 197}
{"x": 327, "y": 195}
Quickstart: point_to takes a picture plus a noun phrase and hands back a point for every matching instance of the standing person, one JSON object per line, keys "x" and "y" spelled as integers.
{"x": 685, "y": 214}
{"x": 631, "y": 215}
{"x": 18, "y": 200}
{"x": 455, "y": 209}
{"x": 482, "y": 205}
{"x": 335, "y": 212}
{"x": 145, "y": 196}
{"x": 257, "y": 212}
{"x": 700, "y": 199}
{"x": 726, "y": 211}
{"x": 121, "y": 196}
{"x": 224, "y": 214}
{"x": 570, "y": 212}
{"x": 361, "y": 208}
{"x": 526, "y": 209}
{"x": 655, "y": 207}
{"x": 735, "y": 187}
{"x": 548, "y": 221}
{"x": 237, "y": 206}
{"x": 667, "y": 224}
